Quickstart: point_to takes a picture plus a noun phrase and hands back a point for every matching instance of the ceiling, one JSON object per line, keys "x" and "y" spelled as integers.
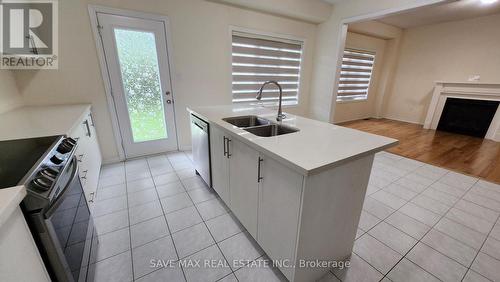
{"x": 333, "y": 1}
{"x": 458, "y": 10}
{"x": 312, "y": 11}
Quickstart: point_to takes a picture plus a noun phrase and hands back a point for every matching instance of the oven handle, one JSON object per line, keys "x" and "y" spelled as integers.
{"x": 60, "y": 198}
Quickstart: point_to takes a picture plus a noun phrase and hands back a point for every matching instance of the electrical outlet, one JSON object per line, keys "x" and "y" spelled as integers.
{"x": 474, "y": 77}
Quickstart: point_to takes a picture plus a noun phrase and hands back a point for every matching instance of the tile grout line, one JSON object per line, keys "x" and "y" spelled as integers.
{"x": 432, "y": 227}
{"x": 477, "y": 251}
{"x": 418, "y": 240}
{"x": 480, "y": 248}
{"x": 213, "y": 238}
{"x": 395, "y": 210}
{"x": 408, "y": 201}
{"x": 170, "y": 234}
{"x": 128, "y": 215}
{"x": 403, "y": 256}
{"x": 165, "y": 217}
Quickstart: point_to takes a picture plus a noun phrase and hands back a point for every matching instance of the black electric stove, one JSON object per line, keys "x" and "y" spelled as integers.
{"x": 18, "y": 157}
{"x": 55, "y": 206}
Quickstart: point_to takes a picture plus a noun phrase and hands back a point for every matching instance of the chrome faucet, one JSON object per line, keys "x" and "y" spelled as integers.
{"x": 280, "y": 116}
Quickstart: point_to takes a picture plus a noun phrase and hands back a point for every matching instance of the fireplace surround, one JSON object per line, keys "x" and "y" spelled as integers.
{"x": 456, "y": 91}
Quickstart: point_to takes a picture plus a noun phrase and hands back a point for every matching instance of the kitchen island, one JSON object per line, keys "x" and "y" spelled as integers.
{"x": 300, "y": 192}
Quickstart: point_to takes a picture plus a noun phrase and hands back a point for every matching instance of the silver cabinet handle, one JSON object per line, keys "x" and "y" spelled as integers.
{"x": 169, "y": 101}
{"x": 80, "y": 158}
{"x": 224, "y": 142}
{"x": 91, "y": 119}
{"x": 86, "y": 122}
{"x": 92, "y": 194}
{"x": 259, "y": 177}
{"x": 228, "y": 154}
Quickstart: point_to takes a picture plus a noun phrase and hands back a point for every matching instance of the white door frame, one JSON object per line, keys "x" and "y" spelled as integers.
{"x": 93, "y": 10}
{"x": 342, "y": 36}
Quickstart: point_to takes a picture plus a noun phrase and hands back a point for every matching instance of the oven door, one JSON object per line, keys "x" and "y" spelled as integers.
{"x": 69, "y": 231}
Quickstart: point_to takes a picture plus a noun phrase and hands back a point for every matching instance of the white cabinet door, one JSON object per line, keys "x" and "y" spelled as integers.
{"x": 243, "y": 164}
{"x": 93, "y": 158}
{"x": 219, "y": 164}
{"x": 88, "y": 155}
{"x": 279, "y": 207}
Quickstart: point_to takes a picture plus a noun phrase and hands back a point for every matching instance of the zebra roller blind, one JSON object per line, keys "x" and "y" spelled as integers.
{"x": 357, "y": 67}
{"x": 257, "y": 59}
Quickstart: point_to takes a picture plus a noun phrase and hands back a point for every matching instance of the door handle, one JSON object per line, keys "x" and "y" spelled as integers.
{"x": 259, "y": 177}
{"x": 228, "y": 154}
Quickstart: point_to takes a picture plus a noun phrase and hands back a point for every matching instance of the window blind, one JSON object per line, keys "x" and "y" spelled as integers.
{"x": 357, "y": 66}
{"x": 257, "y": 59}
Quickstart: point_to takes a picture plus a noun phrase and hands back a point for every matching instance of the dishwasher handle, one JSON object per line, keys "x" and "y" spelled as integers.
{"x": 201, "y": 124}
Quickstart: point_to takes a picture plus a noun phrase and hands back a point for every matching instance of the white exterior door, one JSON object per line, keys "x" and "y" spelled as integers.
{"x": 137, "y": 63}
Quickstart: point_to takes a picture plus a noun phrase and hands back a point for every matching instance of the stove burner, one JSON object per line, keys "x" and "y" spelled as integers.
{"x": 42, "y": 183}
{"x": 49, "y": 172}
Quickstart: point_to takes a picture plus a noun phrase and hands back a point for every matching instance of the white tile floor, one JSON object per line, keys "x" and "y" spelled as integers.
{"x": 419, "y": 223}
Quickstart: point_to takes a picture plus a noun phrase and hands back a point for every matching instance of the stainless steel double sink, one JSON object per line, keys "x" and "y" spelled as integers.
{"x": 260, "y": 126}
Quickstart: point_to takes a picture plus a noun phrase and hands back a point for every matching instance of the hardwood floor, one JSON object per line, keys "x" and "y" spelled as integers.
{"x": 470, "y": 155}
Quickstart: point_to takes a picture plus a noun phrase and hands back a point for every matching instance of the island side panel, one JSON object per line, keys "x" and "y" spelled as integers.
{"x": 331, "y": 208}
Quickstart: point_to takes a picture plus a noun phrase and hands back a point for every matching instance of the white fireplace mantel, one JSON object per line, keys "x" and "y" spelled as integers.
{"x": 465, "y": 90}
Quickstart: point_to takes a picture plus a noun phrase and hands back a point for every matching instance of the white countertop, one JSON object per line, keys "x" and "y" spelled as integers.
{"x": 38, "y": 121}
{"x": 317, "y": 146}
{"x": 9, "y": 201}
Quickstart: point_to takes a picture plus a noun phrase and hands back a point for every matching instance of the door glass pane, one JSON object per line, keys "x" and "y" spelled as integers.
{"x": 141, "y": 83}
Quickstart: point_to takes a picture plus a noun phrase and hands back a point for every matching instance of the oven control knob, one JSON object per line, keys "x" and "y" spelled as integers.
{"x": 66, "y": 145}
{"x": 49, "y": 172}
{"x": 56, "y": 160}
{"x": 42, "y": 183}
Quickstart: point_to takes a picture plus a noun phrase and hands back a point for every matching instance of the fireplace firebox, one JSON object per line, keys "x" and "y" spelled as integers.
{"x": 467, "y": 116}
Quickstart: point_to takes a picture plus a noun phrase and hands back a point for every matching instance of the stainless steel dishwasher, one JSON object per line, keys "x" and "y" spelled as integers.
{"x": 201, "y": 147}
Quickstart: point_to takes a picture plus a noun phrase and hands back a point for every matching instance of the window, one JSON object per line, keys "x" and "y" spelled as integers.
{"x": 257, "y": 59}
{"x": 357, "y": 66}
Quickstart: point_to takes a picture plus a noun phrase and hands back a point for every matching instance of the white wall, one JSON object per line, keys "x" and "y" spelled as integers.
{"x": 201, "y": 59}
{"x": 442, "y": 52}
{"x": 322, "y": 105}
{"x": 359, "y": 109}
{"x": 10, "y": 97}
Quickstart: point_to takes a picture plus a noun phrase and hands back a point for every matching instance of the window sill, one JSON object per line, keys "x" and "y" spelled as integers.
{"x": 267, "y": 105}
{"x": 351, "y": 101}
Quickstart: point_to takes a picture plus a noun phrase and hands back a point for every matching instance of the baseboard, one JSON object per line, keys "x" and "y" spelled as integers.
{"x": 354, "y": 119}
{"x": 184, "y": 148}
{"x": 496, "y": 138}
{"x": 403, "y": 120}
{"x": 111, "y": 161}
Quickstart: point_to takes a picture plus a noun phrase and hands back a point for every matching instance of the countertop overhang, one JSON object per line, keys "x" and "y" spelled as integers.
{"x": 9, "y": 201}
{"x": 316, "y": 147}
